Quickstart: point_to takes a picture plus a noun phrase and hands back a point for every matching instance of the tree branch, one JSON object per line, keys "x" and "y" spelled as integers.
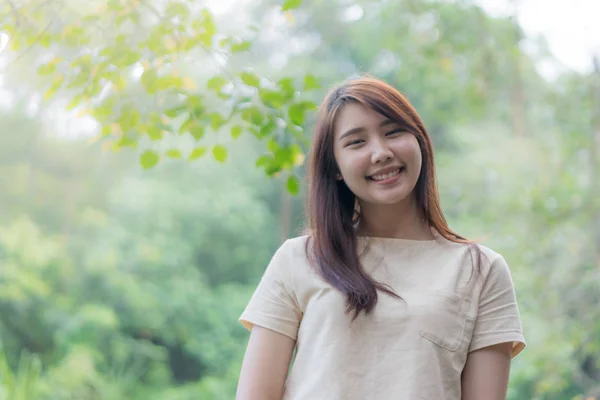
{"x": 22, "y": 54}
{"x": 15, "y": 12}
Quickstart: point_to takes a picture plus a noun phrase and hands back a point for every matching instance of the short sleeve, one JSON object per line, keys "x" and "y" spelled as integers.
{"x": 498, "y": 319}
{"x": 273, "y": 304}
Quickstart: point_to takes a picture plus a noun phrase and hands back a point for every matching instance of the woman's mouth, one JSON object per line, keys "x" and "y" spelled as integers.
{"x": 388, "y": 176}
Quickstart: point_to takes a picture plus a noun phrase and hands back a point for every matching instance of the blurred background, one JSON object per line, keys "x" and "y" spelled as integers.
{"x": 152, "y": 160}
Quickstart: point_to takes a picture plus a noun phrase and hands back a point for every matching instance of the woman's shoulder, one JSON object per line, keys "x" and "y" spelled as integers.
{"x": 295, "y": 246}
{"x": 482, "y": 250}
{"x": 488, "y": 252}
{"x": 293, "y": 258}
{"x": 494, "y": 263}
{"x": 484, "y": 256}
{"x": 294, "y": 253}
{"x": 299, "y": 240}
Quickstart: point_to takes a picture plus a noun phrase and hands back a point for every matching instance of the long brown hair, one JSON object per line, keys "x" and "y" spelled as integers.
{"x": 331, "y": 205}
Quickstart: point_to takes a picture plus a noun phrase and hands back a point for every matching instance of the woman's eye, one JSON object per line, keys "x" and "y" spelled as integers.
{"x": 394, "y": 132}
{"x": 354, "y": 142}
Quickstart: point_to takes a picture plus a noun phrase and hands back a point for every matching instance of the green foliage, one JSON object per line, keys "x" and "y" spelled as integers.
{"x": 197, "y": 153}
{"x": 137, "y": 295}
{"x": 143, "y": 55}
{"x": 291, "y": 4}
{"x": 220, "y": 153}
{"x": 148, "y": 159}
{"x": 121, "y": 282}
{"x": 22, "y": 384}
{"x": 293, "y": 185}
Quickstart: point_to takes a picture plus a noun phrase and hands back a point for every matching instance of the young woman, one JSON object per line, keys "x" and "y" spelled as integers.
{"x": 381, "y": 300}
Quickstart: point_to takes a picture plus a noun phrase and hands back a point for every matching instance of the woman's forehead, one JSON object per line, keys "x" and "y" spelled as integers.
{"x": 355, "y": 115}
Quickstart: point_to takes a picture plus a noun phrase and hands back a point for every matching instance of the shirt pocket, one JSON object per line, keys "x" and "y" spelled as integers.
{"x": 442, "y": 317}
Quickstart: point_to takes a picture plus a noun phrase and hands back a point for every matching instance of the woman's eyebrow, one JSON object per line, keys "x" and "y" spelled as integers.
{"x": 359, "y": 129}
{"x": 387, "y": 122}
{"x": 351, "y": 131}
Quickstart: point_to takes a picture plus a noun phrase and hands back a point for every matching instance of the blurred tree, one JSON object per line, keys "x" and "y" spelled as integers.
{"x": 137, "y": 295}
{"x": 128, "y": 283}
{"x": 130, "y": 63}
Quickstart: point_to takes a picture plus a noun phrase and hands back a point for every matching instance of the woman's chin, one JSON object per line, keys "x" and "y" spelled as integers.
{"x": 388, "y": 200}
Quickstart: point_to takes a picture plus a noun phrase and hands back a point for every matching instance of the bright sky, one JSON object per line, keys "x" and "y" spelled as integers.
{"x": 571, "y": 27}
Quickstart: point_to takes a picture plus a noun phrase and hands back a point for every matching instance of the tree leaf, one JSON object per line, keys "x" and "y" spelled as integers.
{"x": 216, "y": 83}
{"x": 148, "y": 80}
{"x": 148, "y": 159}
{"x": 216, "y": 121}
{"x": 297, "y": 155}
{"x": 129, "y": 117}
{"x": 271, "y": 98}
{"x": 168, "y": 82}
{"x": 197, "y": 131}
{"x": 154, "y": 133}
{"x": 173, "y": 153}
{"x": 220, "y": 153}
{"x": 272, "y": 145}
{"x": 239, "y": 47}
{"x": 45, "y": 40}
{"x": 236, "y": 131}
{"x": 174, "y": 112}
{"x": 264, "y": 160}
{"x": 57, "y": 83}
{"x": 226, "y": 41}
{"x": 296, "y": 113}
{"x": 104, "y": 111}
{"x": 194, "y": 101}
{"x": 177, "y": 8}
{"x": 310, "y": 82}
{"x": 155, "y": 42}
{"x": 284, "y": 156}
{"x": 75, "y": 101}
{"x": 125, "y": 142}
{"x": 293, "y": 185}
{"x": 127, "y": 58}
{"x": 206, "y": 28}
{"x": 291, "y": 5}
{"x": 287, "y": 87}
{"x": 272, "y": 169}
{"x": 46, "y": 69}
{"x": 267, "y": 128}
{"x": 250, "y": 79}
{"x": 197, "y": 153}
{"x": 253, "y": 115}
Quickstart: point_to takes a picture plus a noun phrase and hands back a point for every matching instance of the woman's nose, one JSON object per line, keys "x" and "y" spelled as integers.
{"x": 381, "y": 152}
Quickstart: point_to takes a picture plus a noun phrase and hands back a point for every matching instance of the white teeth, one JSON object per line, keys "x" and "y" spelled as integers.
{"x": 386, "y": 176}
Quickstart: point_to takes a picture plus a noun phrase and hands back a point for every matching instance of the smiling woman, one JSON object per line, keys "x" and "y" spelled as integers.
{"x": 381, "y": 299}
{"x": 375, "y": 153}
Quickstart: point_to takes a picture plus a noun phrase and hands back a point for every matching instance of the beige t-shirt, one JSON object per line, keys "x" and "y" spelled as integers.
{"x": 412, "y": 349}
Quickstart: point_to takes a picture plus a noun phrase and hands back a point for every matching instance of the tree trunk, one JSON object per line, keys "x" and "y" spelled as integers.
{"x": 594, "y": 163}
{"x": 285, "y": 217}
{"x": 517, "y": 92}
{"x": 590, "y": 365}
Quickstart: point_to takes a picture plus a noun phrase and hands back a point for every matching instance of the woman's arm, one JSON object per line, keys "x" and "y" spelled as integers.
{"x": 265, "y": 365}
{"x": 486, "y": 372}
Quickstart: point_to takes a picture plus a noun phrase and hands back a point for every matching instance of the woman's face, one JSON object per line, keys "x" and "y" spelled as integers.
{"x": 378, "y": 160}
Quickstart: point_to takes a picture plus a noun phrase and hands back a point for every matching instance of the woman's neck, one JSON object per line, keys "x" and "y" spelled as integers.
{"x": 402, "y": 221}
